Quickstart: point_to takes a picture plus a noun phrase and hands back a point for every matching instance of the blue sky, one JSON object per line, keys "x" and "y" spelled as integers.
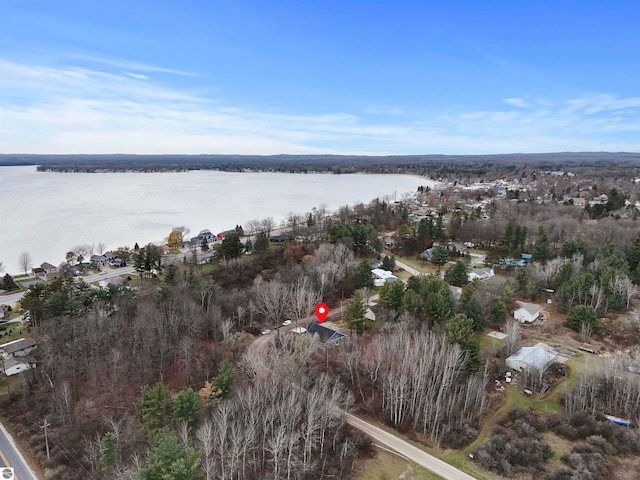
{"x": 266, "y": 77}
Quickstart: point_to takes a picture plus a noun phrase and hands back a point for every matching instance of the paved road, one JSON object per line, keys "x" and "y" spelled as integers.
{"x": 406, "y": 267}
{"x": 396, "y": 444}
{"x": 106, "y": 273}
{"x": 11, "y": 299}
{"x": 388, "y": 440}
{"x": 10, "y": 456}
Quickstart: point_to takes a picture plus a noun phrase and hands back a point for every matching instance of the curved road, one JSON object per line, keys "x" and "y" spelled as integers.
{"x": 384, "y": 438}
{"x": 431, "y": 463}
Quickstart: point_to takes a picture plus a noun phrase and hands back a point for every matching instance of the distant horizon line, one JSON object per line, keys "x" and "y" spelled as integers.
{"x": 373, "y": 155}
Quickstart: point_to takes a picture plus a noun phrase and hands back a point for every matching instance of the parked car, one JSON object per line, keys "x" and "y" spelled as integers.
{"x": 286, "y": 323}
{"x": 266, "y": 331}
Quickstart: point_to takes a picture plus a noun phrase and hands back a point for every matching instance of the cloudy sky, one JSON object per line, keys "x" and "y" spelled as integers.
{"x": 279, "y": 76}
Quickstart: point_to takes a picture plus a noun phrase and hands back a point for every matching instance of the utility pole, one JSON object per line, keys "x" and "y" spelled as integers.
{"x": 46, "y": 438}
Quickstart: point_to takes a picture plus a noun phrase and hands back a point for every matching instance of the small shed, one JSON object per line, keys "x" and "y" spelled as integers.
{"x": 527, "y": 313}
{"x": 530, "y": 358}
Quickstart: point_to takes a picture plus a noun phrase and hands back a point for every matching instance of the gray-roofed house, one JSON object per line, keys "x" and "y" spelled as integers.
{"x": 480, "y": 274}
{"x": 325, "y": 336}
{"x": 426, "y": 255}
{"x": 527, "y": 313}
{"x": 207, "y": 235}
{"x": 17, "y": 348}
{"x": 99, "y": 260}
{"x": 48, "y": 268}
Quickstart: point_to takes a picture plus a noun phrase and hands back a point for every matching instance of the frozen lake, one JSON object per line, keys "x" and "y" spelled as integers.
{"x": 47, "y": 214}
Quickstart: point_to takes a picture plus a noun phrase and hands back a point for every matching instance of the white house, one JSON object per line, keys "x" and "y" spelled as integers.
{"x": 480, "y": 274}
{"x": 13, "y": 366}
{"x": 530, "y": 358}
{"x": 380, "y": 277}
{"x": 527, "y": 313}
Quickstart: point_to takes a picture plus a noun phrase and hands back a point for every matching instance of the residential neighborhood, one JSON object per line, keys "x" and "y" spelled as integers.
{"x": 525, "y": 313}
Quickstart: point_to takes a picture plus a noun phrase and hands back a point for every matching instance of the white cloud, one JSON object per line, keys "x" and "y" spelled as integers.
{"x": 126, "y": 64}
{"x": 384, "y": 111}
{"x": 80, "y": 110}
{"x": 516, "y": 102}
{"x": 136, "y": 75}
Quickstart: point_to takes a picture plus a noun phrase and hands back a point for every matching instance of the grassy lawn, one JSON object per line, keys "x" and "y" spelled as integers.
{"x": 487, "y": 343}
{"x": 457, "y": 460}
{"x": 208, "y": 267}
{"x": 403, "y": 275}
{"x": 387, "y": 466}
{"x": 14, "y": 384}
{"x": 12, "y": 331}
{"x": 417, "y": 264}
{"x": 515, "y": 398}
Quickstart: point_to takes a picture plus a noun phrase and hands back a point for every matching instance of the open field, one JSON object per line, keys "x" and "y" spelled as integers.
{"x": 390, "y": 466}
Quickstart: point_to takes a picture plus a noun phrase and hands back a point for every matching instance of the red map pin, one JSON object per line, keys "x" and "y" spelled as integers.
{"x": 322, "y": 311}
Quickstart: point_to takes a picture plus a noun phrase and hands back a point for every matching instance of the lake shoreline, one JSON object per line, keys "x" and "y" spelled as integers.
{"x": 48, "y": 215}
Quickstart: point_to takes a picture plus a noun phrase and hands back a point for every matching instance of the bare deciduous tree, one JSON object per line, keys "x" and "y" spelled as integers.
{"x": 514, "y": 335}
{"x": 253, "y": 226}
{"x": 270, "y": 298}
{"x": 585, "y": 332}
{"x": 25, "y": 260}
{"x": 302, "y": 298}
{"x": 268, "y": 224}
{"x": 419, "y": 377}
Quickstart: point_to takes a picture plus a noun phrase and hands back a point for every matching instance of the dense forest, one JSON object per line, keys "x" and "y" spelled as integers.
{"x": 433, "y": 165}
